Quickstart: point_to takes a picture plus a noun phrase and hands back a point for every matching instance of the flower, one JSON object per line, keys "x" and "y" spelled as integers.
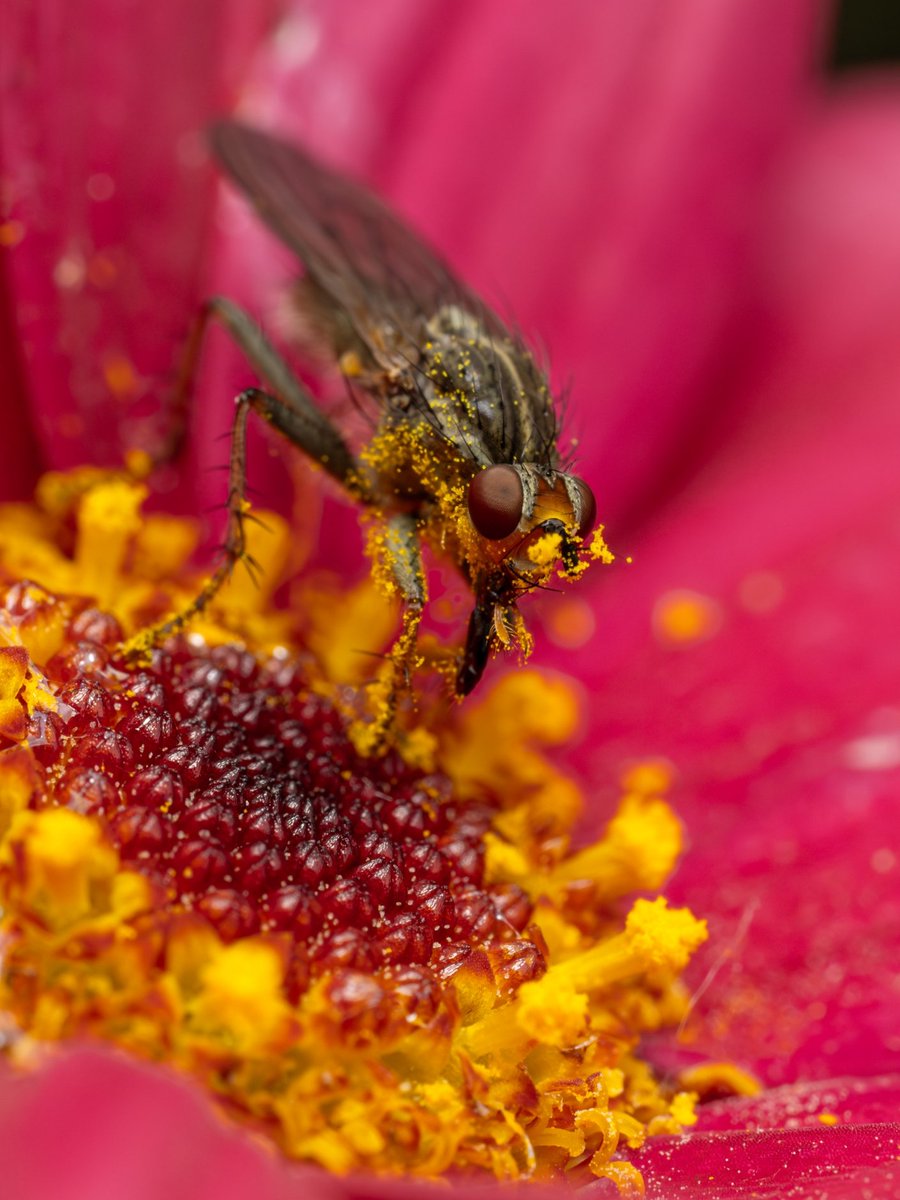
{"x": 391, "y": 962}
{"x": 722, "y": 254}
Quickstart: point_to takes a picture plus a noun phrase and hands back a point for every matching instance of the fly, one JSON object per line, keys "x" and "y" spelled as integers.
{"x": 465, "y": 452}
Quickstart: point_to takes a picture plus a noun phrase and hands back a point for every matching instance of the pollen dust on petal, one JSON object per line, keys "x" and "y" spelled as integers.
{"x": 683, "y": 617}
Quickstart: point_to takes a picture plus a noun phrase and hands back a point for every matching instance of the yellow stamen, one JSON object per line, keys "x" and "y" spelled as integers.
{"x": 513, "y": 1055}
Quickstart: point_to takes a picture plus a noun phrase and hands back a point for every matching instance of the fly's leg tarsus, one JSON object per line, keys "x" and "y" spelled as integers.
{"x": 374, "y": 735}
{"x": 288, "y": 408}
{"x": 401, "y": 569}
{"x": 234, "y": 546}
{"x": 402, "y": 557}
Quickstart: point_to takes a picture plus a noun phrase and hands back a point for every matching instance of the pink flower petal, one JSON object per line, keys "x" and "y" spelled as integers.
{"x": 836, "y": 1140}
{"x": 802, "y": 1164}
{"x": 93, "y": 1125}
{"x": 103, "y": 166}
{"x": 19, "y": 457}
{"x": 783, "y": 722}
{"x": 842, "y": 1101}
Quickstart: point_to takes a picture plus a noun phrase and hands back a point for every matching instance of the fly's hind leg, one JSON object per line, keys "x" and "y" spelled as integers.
{"x": 294, "y": 413}
{"x": 290, "y": 410}
{"x": 234, "y": 546}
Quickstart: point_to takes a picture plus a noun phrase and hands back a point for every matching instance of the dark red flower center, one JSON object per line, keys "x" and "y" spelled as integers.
{"x": 237, "y": 791}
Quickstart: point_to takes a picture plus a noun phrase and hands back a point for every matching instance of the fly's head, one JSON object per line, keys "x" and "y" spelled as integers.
{"x": 529, "y": 524}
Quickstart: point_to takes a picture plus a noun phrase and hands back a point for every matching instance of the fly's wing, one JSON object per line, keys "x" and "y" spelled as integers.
{"x": 366, "y": 268}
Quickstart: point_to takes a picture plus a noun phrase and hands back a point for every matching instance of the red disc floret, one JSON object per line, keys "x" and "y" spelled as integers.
{"x": 237, "y": 791}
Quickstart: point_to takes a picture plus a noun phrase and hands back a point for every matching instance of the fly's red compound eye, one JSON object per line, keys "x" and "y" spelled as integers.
{"x": 587, "y": 508}
{"x": 495, "y": 501}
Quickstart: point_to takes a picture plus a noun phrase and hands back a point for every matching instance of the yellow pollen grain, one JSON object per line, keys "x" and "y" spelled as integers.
{"x": 120, "y": 375}
{"x": 715, "y": 1078}
{"x": 63, "y": 857}
{"x": 11, "y": 233}
{"x": 682, "y": 617}
{"x": 108, "y": 518}
{"x": 829, "y": 1118}
{"x": 598, "y": 549}
{"x": 241, "y": 992}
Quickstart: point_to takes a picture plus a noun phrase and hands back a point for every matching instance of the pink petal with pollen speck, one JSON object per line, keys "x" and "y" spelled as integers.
{"x": 803, "y": 1164}
{"x": 104, "y": 172}
{"x": 835, "y": 1140}
{"x": 784, "y": 724}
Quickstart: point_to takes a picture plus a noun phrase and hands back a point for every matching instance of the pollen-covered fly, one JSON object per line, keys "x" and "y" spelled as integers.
{"x": 464, "y": 455}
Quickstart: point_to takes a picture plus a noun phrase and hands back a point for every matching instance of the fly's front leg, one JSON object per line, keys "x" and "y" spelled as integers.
{"x": 401, "y": 567}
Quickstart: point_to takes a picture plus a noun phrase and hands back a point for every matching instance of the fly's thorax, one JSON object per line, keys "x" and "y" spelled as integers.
{"x": 485, "y": 391}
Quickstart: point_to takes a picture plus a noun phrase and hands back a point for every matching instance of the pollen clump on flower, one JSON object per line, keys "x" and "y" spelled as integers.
{"x": 401, "y": 963}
